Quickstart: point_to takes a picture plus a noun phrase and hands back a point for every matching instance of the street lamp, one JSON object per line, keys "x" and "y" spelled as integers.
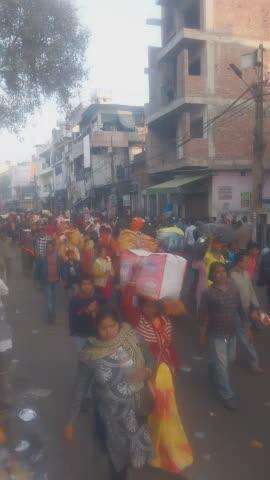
{"x": 238, "y": 72}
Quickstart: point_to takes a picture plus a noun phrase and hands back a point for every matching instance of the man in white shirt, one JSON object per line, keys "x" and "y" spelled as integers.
{"x": 189, "y": 234}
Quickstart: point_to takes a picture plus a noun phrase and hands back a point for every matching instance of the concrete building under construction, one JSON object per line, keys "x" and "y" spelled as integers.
{"x": 200, "y": 165}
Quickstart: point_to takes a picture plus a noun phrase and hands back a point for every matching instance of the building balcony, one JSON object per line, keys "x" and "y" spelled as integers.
{"x": 161, "y": 158}
{"x": 109, "y": 139}
{"x": 182, "y": 39}
{"x": 182, "y": 82}
{"x": 173, "y": 157}
{"x": 178, "y": 105}
{"x": 138, "y": 136}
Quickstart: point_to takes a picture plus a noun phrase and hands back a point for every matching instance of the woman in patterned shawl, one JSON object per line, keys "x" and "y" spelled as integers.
{"x": 117, "y": 365}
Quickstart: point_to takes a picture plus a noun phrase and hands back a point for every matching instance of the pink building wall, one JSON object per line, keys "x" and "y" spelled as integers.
{"x": 230, "y": 189}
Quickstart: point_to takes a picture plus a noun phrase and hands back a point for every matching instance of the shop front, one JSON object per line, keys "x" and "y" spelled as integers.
{"x": 183, "y": 197}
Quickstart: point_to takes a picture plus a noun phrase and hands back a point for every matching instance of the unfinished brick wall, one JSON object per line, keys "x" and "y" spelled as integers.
{"x": 243, "y": 18}
{"x": 227, "y": 84}
{"x": 196, "y": 152}
{"x": 233, "y": 138}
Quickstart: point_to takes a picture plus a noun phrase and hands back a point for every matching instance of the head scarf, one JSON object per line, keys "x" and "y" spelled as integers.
{"x": 127, "y": 338}
{"x": 137, "y": 224}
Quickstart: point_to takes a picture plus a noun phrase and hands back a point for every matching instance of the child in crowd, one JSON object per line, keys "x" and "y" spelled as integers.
{"x": 103, "y": 273}
{"x": 83, "y": 309}
{"x": 250, "y": 305}
{"x": 220, "y": 310}
{"x": 70, "y": 272}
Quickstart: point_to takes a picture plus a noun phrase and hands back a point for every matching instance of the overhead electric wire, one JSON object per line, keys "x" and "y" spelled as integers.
{"x": 219, "y": 121}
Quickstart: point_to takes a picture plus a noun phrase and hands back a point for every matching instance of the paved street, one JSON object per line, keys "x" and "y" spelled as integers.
{"x": 221, "y": 440}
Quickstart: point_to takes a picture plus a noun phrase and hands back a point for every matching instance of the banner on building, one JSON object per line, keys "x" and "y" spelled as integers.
{"x": 245, "y": 199}
{"x": 225, "y": 193}
{"x": 86, "y": 151}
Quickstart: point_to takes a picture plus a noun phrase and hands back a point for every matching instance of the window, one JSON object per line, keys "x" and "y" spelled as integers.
{"x": 192, "y": 15}
{"x": 99, "y": 150}
{"x": 79, "y": 168}
{"x": 245, "y": 200}
{"x": 120, "y": 172}
{"x": 196, "y": 125}
{"x": 225, "y": 193}
{"x": 58, "y": 170}
{"x": 194, "y": 67}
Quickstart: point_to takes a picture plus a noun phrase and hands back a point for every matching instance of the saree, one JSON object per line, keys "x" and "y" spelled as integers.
{"x": 172, "y": 450}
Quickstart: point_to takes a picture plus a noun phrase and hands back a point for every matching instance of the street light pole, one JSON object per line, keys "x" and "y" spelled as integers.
{"x": 258, "y": 143}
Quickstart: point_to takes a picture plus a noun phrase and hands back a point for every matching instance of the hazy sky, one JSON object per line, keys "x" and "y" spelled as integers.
{"x": 117, "y": 57}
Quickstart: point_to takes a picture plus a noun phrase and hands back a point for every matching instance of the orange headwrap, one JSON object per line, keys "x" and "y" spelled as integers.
{"x": 137, "y": 224}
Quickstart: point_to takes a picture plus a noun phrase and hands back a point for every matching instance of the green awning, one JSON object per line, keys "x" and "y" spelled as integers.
{"x": 174, "y": 186}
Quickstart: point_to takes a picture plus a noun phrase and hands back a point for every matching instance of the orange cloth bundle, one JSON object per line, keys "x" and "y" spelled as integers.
{"x": 172, "y": 450}
{"x": 129, "y": 240}
{"x": 137, "y": 224}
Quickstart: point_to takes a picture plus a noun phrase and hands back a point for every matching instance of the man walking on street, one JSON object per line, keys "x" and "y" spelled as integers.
{"x": 220, "y": 310}
{"x": 250, "y": 304}
{"x": 50, "y": 275}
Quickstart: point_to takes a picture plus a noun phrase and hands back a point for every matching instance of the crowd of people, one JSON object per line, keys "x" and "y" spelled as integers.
{"x": 124, "y": 338}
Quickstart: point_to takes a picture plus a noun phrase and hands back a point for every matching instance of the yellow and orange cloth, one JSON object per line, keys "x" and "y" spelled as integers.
{"x": 173, "y": 452}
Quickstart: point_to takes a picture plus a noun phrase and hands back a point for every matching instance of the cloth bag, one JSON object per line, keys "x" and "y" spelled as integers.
{"x": 172, "y": 450}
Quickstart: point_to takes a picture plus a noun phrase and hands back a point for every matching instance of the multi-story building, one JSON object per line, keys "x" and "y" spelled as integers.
{"x": 54, "y": 165}
{"x": 17, "y": 187}
{"x": 89, "y": 159}
{"x": 110, "y": 137}
{"x": 204, "y": 168}
{"x": 44, "y": 175}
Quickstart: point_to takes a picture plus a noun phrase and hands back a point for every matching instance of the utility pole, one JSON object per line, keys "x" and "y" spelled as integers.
{"x": 112, "y": 163}
{"x": 257, "y": 90}
{"x": 114, "y": 194}
{"x": 258, "y": 144}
